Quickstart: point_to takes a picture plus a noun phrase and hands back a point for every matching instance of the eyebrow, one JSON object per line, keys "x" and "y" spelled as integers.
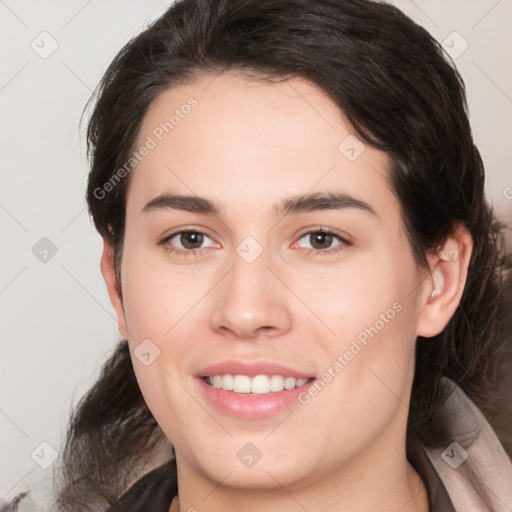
{"x": 293, "y": 205}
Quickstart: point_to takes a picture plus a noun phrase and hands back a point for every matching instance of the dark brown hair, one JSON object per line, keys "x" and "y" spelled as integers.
{"x": 402, "y": 95}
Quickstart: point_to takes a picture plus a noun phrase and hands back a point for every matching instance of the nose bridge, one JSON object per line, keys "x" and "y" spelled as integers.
{"x": 250, "y": 300}
{"x": 250, "y": 276}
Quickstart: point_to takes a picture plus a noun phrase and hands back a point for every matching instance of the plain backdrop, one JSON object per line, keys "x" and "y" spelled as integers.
{"x": 57, "y": 325}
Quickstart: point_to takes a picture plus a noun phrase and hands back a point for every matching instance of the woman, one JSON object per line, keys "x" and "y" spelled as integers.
{"x": 304, "y": 269}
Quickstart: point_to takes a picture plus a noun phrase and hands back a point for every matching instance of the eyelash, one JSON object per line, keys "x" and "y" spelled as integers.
{"x": 193, "y": 252}
{"x": 183, "y": 252}
{"x": 345, "y": 242}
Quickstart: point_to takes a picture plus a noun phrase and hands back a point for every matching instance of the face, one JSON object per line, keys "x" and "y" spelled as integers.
{"x": 285, "y": 266}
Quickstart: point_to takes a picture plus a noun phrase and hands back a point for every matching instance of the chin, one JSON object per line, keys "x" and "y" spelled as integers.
{"x": 239, "y": 463}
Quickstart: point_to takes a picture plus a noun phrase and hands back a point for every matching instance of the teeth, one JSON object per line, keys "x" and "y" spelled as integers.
{"x": 228, "y": 382}
{"x": 259, "y": 385}
{"x": 241, "y": 384}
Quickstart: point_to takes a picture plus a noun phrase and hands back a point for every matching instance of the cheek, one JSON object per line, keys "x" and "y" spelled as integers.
{"x": 158, "y": 295}
{"x": 372, "y": 312}
{"x": 368, "y": 364}
{"x": 367, "y": 291}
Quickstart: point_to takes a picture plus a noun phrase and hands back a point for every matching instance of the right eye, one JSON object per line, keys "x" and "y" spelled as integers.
{"x": 187, "y": 242}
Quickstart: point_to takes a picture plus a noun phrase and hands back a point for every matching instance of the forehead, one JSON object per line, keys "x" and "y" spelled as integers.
{"x": 253, "y": 143}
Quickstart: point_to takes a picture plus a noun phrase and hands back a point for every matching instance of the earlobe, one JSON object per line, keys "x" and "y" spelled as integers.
{"x": 113, "y": 284}
{"x": 443, "y": 289}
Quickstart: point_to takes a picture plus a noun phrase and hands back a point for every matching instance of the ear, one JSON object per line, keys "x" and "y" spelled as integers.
{"x": 444, "y": 286}
{"x": 113, "y": 286}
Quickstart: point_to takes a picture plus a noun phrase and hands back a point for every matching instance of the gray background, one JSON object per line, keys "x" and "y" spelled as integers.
{"x": 56, "y": 320}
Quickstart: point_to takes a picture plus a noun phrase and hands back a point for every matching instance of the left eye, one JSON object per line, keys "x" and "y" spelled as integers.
{"x": 321, "y": 240}
{"x": 189, "y": 240}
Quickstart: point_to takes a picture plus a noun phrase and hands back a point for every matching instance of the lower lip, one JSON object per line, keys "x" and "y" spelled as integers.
{"x": 252, "y": 406}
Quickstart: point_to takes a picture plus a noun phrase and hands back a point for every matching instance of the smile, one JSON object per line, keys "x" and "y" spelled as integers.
{"x": 258, "y": 385}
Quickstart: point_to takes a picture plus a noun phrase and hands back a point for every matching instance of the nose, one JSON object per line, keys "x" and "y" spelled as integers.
{"x": 251, "y": 301}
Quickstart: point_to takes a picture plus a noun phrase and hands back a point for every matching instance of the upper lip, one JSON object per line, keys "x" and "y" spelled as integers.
{"x": 251, "y": 369}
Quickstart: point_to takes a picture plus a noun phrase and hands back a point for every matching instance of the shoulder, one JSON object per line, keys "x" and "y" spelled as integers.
{"x": 33, "y": 493}
{"x": 12, "y": 506}
{"x": 154, "y": 491}
{"x": 475, "y": 453}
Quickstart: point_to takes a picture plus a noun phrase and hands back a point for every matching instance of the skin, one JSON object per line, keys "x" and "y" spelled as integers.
{"x": 247, "y": 146}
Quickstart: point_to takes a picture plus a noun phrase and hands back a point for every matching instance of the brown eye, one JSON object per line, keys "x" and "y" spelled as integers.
{"x": 191, "y": 239}
{"x": 188, "y": 242}
{"x": 321, "y": 240}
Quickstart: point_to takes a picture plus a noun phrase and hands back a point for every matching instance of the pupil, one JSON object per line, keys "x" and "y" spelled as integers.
{"x": 190, "y": 238}
{"x": 322, "y": 239}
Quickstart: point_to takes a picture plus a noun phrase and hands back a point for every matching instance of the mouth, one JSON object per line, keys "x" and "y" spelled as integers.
{"x": 252, "y": 389}
{"x": 255, "y": 385}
